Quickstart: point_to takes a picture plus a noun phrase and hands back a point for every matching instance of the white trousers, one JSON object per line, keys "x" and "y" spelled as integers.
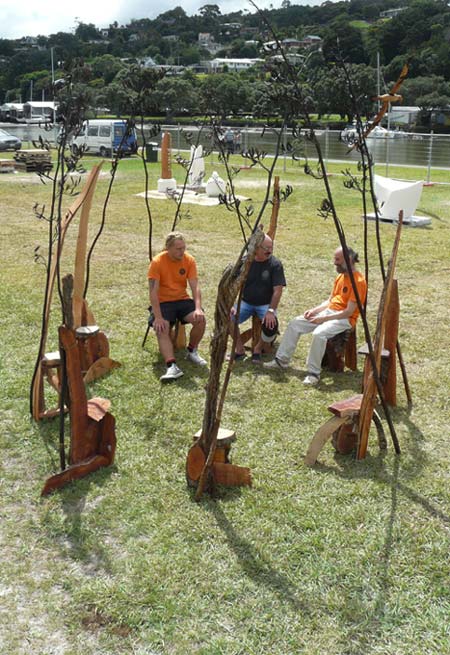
{"x": 320, "y": 334}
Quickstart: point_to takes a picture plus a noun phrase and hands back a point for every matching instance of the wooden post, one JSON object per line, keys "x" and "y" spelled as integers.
{"x": 166, "y": 169}
{"x": 390, "y": 341}
{"x": 370, "y": 390}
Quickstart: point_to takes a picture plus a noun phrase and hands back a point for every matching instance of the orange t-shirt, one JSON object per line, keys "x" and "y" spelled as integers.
{"x": 172, "y": 275}
{"x": 343, "y": 293}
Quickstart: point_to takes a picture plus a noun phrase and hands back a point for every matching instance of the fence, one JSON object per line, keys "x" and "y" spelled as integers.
{"x": 427, "y": 152}
{"x": 423, "y": 151}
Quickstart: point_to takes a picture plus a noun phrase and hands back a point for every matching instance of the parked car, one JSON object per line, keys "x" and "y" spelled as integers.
{"x": 9, "y": 141}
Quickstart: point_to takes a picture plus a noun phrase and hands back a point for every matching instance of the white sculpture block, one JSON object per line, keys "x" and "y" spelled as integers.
{"x": 166, "y": 186}
{"x": 394, "y": 196}
{"x": 196, "y": 167}
{"x": 215, "y": 186}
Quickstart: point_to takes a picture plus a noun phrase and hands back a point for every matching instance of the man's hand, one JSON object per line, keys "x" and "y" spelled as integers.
{"x": 198, "y": 316}
{"x": 309, "y": 314}
{"x": 160, "y": 325}
{"x": 270, "y": 320}
{"x": 320, "y": 319}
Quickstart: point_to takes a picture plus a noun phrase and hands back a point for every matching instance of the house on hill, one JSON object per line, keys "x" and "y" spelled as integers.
{"x": 218, "y": 64}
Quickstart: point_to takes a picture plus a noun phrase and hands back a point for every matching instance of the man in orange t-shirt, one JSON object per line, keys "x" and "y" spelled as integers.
{"x": 169, "y": 274}
{"x": 336, "y": 314}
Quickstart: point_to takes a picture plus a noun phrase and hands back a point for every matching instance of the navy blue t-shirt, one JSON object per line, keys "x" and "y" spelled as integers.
{"x": 262, "y": 278}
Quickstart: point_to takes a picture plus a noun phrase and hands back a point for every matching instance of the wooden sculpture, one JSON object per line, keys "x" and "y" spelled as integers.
{"x": 386, "y": 99}
{"x": 166, "y": 183}
{"x": 95, "y": 356}
{"x": 92, "y": 427}
{"x": 359, "y": 411}
{"x": 49, "y": 364}
{"x": 207, "y": 461}
{"x": 388, "y": 369}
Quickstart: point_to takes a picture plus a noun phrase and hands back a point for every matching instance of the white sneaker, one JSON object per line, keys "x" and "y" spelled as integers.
{"x": 311, "y": 380}
{"x": 276, "y": 364}
{"x": 172, "y": 373}
{"x": 194, "y": 357}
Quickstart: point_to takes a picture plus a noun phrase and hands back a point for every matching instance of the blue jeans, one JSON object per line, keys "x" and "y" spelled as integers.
{"x": 251, "y": 310}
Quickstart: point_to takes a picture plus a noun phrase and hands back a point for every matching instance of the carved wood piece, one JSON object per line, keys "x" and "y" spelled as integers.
{"x": 99, "y": 368}
{"x": 370, "y": 390}
{"x": 37, "y": 388}
{"x": 231, "y": 475}
{"x": 321, "y": 437}
{"x": 230, "y": 283}
{"x": 390, "y": 342}
{"x": 166, "y": 169}
{"x": 92, "y": 427}
{"x": 341, "y": 351}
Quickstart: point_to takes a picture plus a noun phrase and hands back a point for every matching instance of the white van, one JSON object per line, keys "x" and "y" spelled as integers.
{"x": 104, "y": 136}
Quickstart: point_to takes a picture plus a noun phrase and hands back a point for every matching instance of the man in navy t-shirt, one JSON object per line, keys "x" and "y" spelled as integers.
{"x": 262, "y": 293}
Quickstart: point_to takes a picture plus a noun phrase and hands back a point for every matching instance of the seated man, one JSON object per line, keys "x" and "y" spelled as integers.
{"x": 262, "y": 293}
{"x": 168, "y": 275}
{"x": 335, "y": 315}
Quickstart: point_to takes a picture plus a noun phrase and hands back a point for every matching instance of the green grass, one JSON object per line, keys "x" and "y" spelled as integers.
{"x": 346, "y": 558}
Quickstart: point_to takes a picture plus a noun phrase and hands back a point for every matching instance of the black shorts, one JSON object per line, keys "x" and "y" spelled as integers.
{"x": 177, "y": 309}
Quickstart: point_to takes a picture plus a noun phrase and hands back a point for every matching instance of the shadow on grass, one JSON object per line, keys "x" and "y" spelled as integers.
{"x": 74, "y": 539}
{"x": 77, "y": 540}
{"x": 365, "y": 631}
{"x": 255, "y": 565}
{"x": 329, "y": 381}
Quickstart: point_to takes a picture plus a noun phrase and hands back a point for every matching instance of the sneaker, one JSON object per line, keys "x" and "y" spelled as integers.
{"x": 172, "y": 373}
{"x": 276, "y": 364}
{"x": 194, "y": 357}
{"x": 311, "y": 380}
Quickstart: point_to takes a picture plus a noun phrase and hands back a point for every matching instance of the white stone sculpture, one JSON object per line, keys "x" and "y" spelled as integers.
{"x": 196, "y": 167}
{"x": 215, "y": 186}
{"x": 394, "y": 196}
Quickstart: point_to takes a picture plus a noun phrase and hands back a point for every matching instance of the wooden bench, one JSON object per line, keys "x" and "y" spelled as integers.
{"x": 341, "y": 352}
{"x": 223, "y": 471}
{"x": 359, "y": 410}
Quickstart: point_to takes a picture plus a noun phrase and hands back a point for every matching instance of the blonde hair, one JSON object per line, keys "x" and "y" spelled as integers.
{"x": 172, "y": 237}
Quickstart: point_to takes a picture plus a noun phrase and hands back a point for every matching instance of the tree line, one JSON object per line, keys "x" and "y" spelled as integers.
{"x": 353, "y": 31}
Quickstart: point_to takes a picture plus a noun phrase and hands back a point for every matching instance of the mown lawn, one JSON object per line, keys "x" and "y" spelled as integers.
{"x": 347, "y": 558}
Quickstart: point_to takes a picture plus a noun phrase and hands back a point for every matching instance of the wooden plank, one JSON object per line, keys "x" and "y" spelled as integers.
{"x": 230, "y": 475}
{"x": 80, "y": 261}
{"x": 347, "y": 407}
{"x": 390, "y": 342}
{"x": 321, "y": 437}
{"x": 74, "y": 472}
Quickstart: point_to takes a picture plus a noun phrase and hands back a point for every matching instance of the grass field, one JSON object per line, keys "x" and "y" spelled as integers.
{"x": 347, "y": 558}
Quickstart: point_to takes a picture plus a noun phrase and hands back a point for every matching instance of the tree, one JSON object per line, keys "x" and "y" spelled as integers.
{"x": 331, "y": 93}
{"x": 176, "y": 95}
{"x": 224, "y": 93}
{"x": 87, "y": 32}
{"x": 106, "y": 67}
{"x": 344, "y": 39}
